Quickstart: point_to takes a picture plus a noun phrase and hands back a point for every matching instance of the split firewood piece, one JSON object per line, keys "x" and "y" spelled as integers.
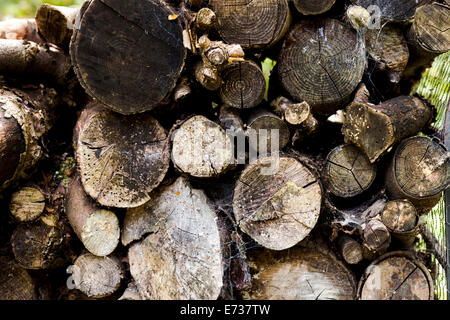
{"x": 392, "y": 10}
{"x": 20, "y": 29}
{"x": 254, "y": 24}
{"x": 375, "y": 128}
{"x": 267, "y": 132}
{"x": 348, "y": 172}
{"x": 389, "y": 49}
{"x": 243, "y": 84}
{"x": 121, "y": 159}
{"x": 396, "y": 275}
{"x": 322, "y": 62}
{"x": 402, "y": 220}
{"x": 27, "y": 204}
{"x": 56, "y": 23}
{"x": 350, "y": 249}
{"x": 429, "y": 35}
{"x": 37, "y": 245}
{"x": 25, "y": 116}
{"x": 307, "y": 7}
{"x": 15, "y": 282}
{"x": 97, "y": 277}
{"x": 376, "y": 239}
{"x": 133, "y": 66}
{"x": 277, "y": 201}
{"x": 202, "y": 148}
{"x": 18, "y": 57}
{"x": 182, "y": 257}
{"x": 299, "y": 274}
{"x": 296, "y": 114}
{"x": 98, "y": 229}
{"x": 419, "y": 171}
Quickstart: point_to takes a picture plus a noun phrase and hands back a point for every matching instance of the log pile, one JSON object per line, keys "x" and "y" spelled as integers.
{"x": 147, "y": 155}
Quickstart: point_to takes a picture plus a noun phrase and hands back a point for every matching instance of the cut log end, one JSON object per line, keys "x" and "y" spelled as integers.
{"x": 401, "y": 218}
{"x": 15, "y": 282}
{"x": 27, "y": 204}
{"x": 350, "y": 249}
{"x": 277, "y": 202}
{"x": 348, "y": 172}
{"x": 313, "y": 7}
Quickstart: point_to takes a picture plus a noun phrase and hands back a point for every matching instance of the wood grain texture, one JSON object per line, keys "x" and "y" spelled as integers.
{"x": 128, "y": 55}
{"x": 27, "y": 204}
{"x": 15, "y": 282}
{"x": 394, "y": 10}
{"x": 307, "y": 7}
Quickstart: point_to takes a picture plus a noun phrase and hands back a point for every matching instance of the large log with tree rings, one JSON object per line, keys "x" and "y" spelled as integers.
{"x": 128, "y": 54}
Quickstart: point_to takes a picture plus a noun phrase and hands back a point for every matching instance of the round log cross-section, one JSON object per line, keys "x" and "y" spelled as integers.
{"x": 401, "y": 218}
{"x": 252, "y": 24}
{"x": 419, "y": 172}
{"x": 348, "y": 171}
{"x": 277, "y": 201}
{"x": 243, "y": 85}
{"x": 322, "y": 62}
{"x": 121, "y": 158}
{"x": 128, "y": 54}
{"x": 308, "y": 7}
{"x": 396, "y": 276}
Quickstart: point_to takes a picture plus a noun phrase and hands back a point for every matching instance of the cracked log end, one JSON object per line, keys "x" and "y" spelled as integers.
{"x": 121, "y": 159}
{"x": 183, "y": 256}
{"x": 201, "y": 148}
{"x": 277, "y": 202}
{"x": 27, "y": 204}
{"x": 348, "y": 172}
{"x": 96, "y": 277}
{"x": 396, "y": 276}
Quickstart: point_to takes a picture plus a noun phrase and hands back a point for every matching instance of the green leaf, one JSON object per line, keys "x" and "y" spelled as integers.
{"x": 267, "y": 67}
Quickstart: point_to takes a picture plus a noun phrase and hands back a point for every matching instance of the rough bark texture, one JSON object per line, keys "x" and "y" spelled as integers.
{"x": 25, "y": 117}
{"x": 389, "y": 49}
{"x": 20, "y": 29}
{"x": 348, "y": 172}
{"x": 252, "y": 24}
{"x": 402, "y": 220}
{"x": 394, "y": 10}
{"x": 96, "y": 277}
{"x": 322, "y": 62}
{"x": 27, "y": 204}
{"x": 132, "y": 66}
{"x": 181, "y": 258}
{"x": 307, "y": 7}
{"x": 15, "y": 282}
{"x": 299, "y": 274}
{"x": 277, "y": 201}
{"x": 376, "y": 239}
{"x": 375, "y": 128}
{"x": 396, "y": 276}
{"x": 419, "y": 171}
{"x": 121, "y": 159}
{"x": 201, "y": 148}
{"x": 98, "y": 229}
{"x": 243, "y": 85}
{"x": 56, "y": 24}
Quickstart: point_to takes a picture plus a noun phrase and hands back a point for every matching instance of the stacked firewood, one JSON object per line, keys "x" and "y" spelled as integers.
{"x": 146, "y": 155}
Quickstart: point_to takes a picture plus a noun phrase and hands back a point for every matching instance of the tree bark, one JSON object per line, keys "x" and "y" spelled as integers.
{"x": 98, "y": 229}
{"x": 350, "y": 249}
{"x": 243, "y": 85}
{"x": 121, "y": 159}
{"x": 394, "y": 10}
{"x": 27, "y": 204}
{"x": 419, "y": 171}
{"x": 25, "y": 117}
{"x": 397, "y": 275}
{"x": 256, "y": 24}
{"x": 56, "y": 24}
{"x": 15, "y": 282}
{"x": 375, "y": 129}
{"x": 348, "y": 172}
{"x": 277, "y": 201}
{"x": 322, "y": 62}
{"x": 313, "y": 7}
{"x": 376, "y": 239}
{"x": 402, "y": 220}
{"x": 182, "y": 257}
{"x": 132, "y": 67}
{"x": 20, "y": 29}
{"x": 97, "y": 277}
{"x": 202, "y": 148}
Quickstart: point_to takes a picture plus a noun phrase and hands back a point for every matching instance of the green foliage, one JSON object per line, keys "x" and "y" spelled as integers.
{"x": 267, "y": 67}
{"x": 27, "y": 8}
